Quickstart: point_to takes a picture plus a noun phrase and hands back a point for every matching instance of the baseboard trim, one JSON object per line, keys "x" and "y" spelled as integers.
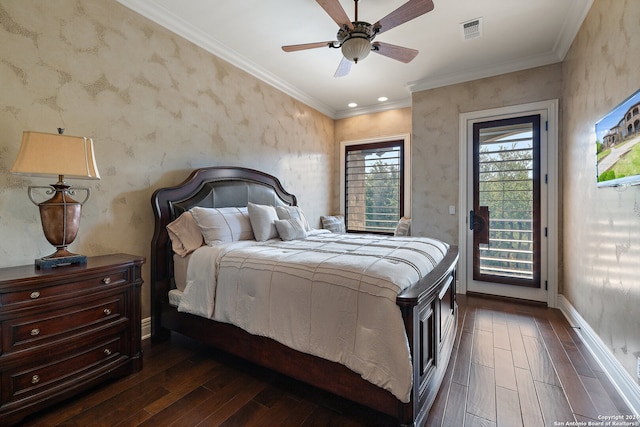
{"x": 624, "y": 383}
{"x": 146, "y": 328}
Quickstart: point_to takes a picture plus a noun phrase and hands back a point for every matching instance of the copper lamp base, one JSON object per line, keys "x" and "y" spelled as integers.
{"x": 60, "y": 217}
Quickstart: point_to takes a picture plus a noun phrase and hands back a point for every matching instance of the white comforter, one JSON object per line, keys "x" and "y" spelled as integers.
{"x": 329, "y": 295}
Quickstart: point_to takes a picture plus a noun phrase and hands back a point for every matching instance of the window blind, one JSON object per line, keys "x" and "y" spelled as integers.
{"x": 374, "y": 190}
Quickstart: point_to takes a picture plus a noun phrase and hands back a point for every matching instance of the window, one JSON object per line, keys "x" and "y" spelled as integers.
{"x": 374, "y": 184}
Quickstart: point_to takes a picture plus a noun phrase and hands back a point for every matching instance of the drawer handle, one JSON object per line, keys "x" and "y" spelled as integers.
{"x": 35, "y": 332}
{"x": 35, "y": 379}
{"x": 106, "y": 311}
{"x": 107, "y": 352}
{"x": 106, "y": 280}
{"x": 35, "y": 294}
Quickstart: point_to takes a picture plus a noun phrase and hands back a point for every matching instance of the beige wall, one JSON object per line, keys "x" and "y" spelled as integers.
{"x": 386, "y": 123}
{"x": 602, "y": 225}
{"x": 156, "y": 105}
{"x": 435, "y": 142}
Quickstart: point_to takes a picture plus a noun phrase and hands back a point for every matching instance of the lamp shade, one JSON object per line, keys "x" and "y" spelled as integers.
{"x": 47, "y": 154}
{"x": 356, "y": 48}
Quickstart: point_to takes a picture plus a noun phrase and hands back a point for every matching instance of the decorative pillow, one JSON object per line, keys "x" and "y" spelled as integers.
{"x": 293, "y": 212}
{"x": 333, "y": 223}
{"x": 403, "y": 228}
{"x": 291, "y": 229}
{"x": 263, "y": 220}
{"x": 223, "y": 224}
{"x": 185, "y": 234}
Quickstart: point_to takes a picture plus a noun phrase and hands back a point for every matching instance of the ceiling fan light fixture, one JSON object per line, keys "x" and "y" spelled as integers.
{"x": 356, "y": 48}
{"x": 355, "y": 38}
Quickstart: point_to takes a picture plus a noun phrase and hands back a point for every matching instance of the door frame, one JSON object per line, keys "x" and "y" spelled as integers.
{"x": 549, "y": 163}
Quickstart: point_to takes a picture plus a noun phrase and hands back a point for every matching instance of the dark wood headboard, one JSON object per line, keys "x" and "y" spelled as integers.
{"x": 213, "y": 187}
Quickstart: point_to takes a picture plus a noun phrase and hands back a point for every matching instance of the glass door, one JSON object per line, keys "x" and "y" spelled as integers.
{"x": 505, "y": 216}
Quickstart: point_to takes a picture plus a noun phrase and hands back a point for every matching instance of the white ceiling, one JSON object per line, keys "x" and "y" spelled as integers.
{"x": 516, "y": 35}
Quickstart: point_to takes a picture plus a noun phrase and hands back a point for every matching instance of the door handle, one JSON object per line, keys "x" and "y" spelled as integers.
{"x": 479, "y": 223}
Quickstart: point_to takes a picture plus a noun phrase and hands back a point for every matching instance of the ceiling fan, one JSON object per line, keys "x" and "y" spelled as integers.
{"x": 355, "y": 38}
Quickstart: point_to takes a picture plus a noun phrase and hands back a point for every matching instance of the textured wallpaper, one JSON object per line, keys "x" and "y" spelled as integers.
{"x": 156, "y": 106}
{"x": 602, "y": 225}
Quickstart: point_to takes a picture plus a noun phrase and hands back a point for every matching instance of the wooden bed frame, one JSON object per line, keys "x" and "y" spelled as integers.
{"x": 428, "y": 307}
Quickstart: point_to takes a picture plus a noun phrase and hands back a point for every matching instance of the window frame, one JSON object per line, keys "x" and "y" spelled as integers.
{"x": 405, "y": 164}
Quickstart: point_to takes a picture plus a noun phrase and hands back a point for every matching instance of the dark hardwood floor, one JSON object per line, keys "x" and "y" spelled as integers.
{"x": 513, "y": 365}
{"x": 520, "y": 365}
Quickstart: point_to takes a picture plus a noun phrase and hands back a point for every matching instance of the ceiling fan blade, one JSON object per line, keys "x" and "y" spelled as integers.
{"x": 399, "y": 53}
{"x": 344, "y": 68}
{"x": 408, "y": 11}
{"x": 296, "y": 47}
{"x": 336, "y": 12}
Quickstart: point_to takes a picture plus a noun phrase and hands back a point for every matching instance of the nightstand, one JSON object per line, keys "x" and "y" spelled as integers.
{"x": 66, "y": 329}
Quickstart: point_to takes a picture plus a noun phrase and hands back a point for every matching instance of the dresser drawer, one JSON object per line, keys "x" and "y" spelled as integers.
{"x": 66, "y": 329}
{"x": 26, "y": 382}
{"x": 44, "y": 292}
{"x": 33, "y": 330}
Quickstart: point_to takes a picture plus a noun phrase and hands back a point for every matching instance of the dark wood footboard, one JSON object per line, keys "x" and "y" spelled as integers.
{"x": 428, "y": 308}
{"x": 430, "y": 314}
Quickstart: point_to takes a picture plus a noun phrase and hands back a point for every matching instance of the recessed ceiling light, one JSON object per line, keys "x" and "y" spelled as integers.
{"x": 352, "y": 105}
{"x": 383, "y": 99}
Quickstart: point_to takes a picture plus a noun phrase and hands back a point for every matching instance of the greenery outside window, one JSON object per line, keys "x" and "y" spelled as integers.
{"x": 374, "y": 178}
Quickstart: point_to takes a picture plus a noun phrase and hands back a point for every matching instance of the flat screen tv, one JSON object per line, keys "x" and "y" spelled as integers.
{"x": 618, "y": 145}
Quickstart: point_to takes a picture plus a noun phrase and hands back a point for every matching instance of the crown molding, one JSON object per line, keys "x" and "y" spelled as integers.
{"x": 480, "y": 73}
{"x": 168, "y": 20}
{"x": 371, "y": 109}
{"x": 571, "y": 26}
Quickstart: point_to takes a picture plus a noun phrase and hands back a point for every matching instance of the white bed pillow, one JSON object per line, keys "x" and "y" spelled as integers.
{"x": 333, "y": 223}
{"x": 185, "y": 234}
{"x": 291, "y": 229}
{"x": 403, "y": 228}
{"x": 263, "y": 221}
{"x": 223, "y": 225}
{"x": 293, "y": 212}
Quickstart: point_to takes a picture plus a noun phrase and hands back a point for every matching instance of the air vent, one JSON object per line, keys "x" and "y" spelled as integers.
{"x": 471, "y": 29}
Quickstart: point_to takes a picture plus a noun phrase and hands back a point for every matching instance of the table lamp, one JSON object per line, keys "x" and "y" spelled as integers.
{"x": 61, "y": 156}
